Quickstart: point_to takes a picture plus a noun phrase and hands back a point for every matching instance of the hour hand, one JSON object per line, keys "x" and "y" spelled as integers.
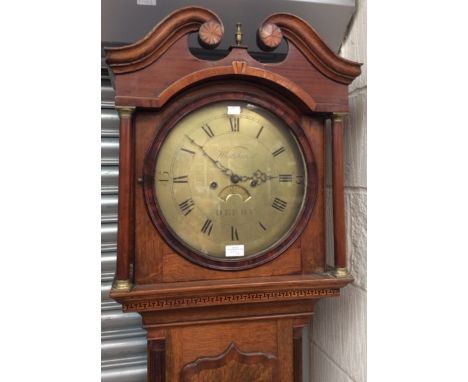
{"x": 260, "y": 177}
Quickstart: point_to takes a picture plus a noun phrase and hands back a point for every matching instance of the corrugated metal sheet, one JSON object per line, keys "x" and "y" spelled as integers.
{"x": 109, "y": 179}
{"x": 108, "y": 208}
{"x": 110, "y": 151}
{"x": 109, "y": 123}
{"x": 123, "y": 340}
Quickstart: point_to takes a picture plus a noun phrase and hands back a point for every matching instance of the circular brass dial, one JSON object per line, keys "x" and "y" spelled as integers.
{"x": 230, "y": 173}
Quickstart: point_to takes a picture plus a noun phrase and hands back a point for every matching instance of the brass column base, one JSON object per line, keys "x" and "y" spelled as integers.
{"x": 341, "y": 273}
{"x": 122, "y": 285}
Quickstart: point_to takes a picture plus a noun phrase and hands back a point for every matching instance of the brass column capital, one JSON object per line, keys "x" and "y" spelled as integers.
{"x": 339, "y": 117}
{"x": 125, "y": 111}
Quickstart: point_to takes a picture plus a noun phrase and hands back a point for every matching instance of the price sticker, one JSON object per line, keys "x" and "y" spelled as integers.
{"x": 234, "y": 250}
{"x": 233, "y": 110}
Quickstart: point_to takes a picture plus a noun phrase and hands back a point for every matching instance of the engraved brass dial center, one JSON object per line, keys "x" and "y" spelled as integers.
{"x": 230, "y": 173}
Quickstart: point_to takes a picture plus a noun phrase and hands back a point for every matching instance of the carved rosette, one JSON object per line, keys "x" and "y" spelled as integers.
{"x": 210, "y": 34}
{"x": 232, "y": 365}
{"x": 269, "y": 36}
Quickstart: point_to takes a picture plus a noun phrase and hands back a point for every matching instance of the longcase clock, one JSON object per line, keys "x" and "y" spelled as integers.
{"x": 221, "y": 239}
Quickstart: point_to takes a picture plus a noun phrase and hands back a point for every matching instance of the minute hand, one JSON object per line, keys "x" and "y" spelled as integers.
{"x": 227, "y": 171}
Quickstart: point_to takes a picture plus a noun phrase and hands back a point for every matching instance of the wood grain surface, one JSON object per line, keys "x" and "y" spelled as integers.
{"x": 232, "y": 365}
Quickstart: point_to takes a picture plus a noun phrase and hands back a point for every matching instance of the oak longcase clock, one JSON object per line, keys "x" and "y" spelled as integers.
{"x": 221, "y": 239}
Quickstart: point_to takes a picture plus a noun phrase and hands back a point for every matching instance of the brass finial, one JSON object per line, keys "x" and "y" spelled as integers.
{"x": 239, "y": 34}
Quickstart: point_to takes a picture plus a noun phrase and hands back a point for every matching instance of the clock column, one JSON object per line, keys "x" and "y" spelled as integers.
{"x": 126, "y": 232}
{"x": 339, "y": 229}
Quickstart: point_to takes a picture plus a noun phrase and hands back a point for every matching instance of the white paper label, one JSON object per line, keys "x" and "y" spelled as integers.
{"x": 234, "y": 250}
{"x": 146, "y": 2}
{"x": 234, "y": 110}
